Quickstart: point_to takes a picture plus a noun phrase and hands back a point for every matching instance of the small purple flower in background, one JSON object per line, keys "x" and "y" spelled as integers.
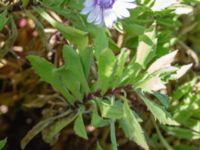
{"x": 106, "y": 12}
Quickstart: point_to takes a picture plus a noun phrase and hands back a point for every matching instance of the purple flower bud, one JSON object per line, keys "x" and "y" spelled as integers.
{"x": 106, "y": 12}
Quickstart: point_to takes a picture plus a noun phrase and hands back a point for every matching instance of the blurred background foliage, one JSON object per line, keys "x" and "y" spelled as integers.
{"x": 43, "y": 27}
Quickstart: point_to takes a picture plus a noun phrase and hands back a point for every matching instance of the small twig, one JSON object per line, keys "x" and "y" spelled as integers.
{"x": 190, "y": 52}
{"x": 120, "y": 40}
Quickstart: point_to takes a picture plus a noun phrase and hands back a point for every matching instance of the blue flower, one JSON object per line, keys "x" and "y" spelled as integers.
{"x": 106, "y": 12}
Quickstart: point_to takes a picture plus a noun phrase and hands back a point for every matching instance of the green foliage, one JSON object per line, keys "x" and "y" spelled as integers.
{"x": 131, "y": 126}
{"x": 39, "y": 127}
{"x": 158, "y": 111}
{"x": 111, "y": 111}
{"x": 3, "y": 143}
{"x": 74, "y": 35}
{"x": 147, "y": 46}
{"x": 97, "y": 120}
{"x": 113, "y": 71}
{"x": 3, "y": 19}
{"x": 113, "y": 77}
{"x": 79, "y": 127}
{"x": 56, "y": 127}
{"x": 186, "y": 112}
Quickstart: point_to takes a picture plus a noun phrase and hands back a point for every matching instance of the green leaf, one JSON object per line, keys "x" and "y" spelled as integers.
{"x": 3, "y": 19}
{"x": 25, "y": 3}
{"x": 77, "y": 37}
{"x": 3, "y": 143}
{"x": 97, "y": 121}
{"x": 11, "y": 37}
{"x": 40, "y": 126}
{"x": 34, "y": 131}
{"x": 70, "y": 82}
{"x": 73, "y": 63}
{"x": 113, "y": 136}
{"x": 55, "y": 128}
{"x": 182, "y": 133}
{"x": 86, "y": 57}
{"x": 46, "y": 72}
{"x": 42, "y": 67}
{"x": 164, "y": 100}
{"x": 119, "y": 67}
{"x": 131, "y": 126}
{"x": 54, "y": 3}
{"x": 133, "y": 29}
{"x": 105, "y": 69}
{"x": 185, "y": 147}
{"x": 183, "y": 90}
{"x": 110, "y": 111}
{"x": 100, "y": 40}
{"x": 99, "y": 146}
{"x": 131, "y": 73}
{"x": 158, "y": 111}
{"x": 79, "y": 127}
{"x": 147, "y": 47}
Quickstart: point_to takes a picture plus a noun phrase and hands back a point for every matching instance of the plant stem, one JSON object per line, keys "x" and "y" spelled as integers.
{"x": 162, "y": 139}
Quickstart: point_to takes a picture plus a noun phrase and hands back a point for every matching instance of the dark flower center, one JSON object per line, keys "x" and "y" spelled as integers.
{"x": 105, "y": 3}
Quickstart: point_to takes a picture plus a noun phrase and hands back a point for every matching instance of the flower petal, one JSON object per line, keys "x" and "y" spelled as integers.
{"x": 86, "y": 10}
{"x": 104, "y": 12}
{"x": 93, "y": 15}
{"x": 109, "y": 18}
{"x": 120, "y": 10}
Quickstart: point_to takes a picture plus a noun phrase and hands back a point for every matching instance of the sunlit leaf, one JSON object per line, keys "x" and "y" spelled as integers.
{"x": 182, "y": 133}
{"x": 158, "y": 112}
{"x": 152, "y": 83}
{"x": 119, "y": 67}
{"x": 111, "y": 111}
{"x": 163, "y": 62}
{"x": 147, "y": 46}
{"x": 105, "y": 69}
{"x": 181, "y": 72}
